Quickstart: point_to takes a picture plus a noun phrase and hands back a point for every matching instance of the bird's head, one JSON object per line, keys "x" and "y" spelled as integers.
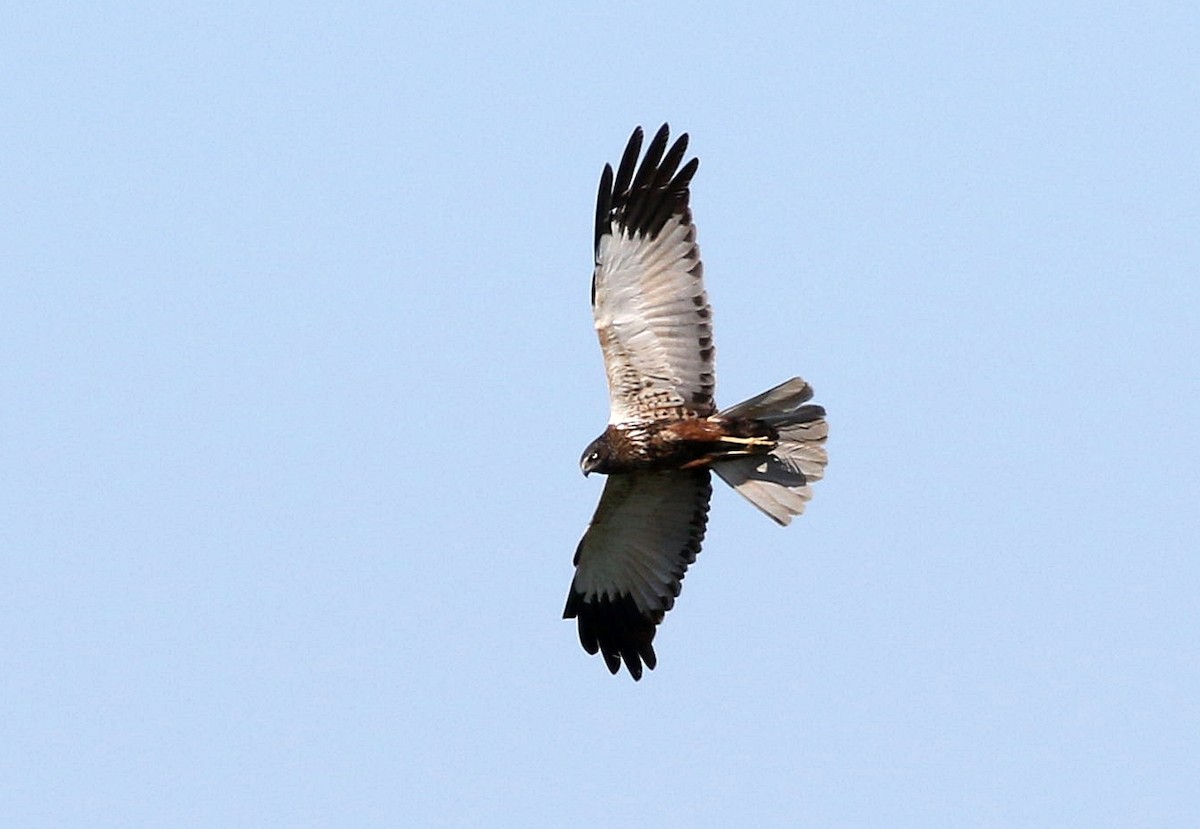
{"x": 596, "y": 457}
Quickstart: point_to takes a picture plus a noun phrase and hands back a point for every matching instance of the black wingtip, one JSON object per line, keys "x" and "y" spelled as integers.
{"x": 615, "y": 629}
{"x": 642, "y": 197}
{"x": 603, "y": 204}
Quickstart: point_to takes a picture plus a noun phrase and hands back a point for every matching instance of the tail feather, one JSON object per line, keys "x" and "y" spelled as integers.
{"x": 779, "y": 483}
{"x": 776, "y": 402}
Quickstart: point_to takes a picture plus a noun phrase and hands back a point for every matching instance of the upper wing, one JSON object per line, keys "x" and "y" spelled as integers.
{"x": 646, "y": 531}
{"x": 648, "y": 300}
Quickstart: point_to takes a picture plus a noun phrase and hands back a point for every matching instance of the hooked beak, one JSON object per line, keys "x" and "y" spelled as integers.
{"x": 587, "y": 465}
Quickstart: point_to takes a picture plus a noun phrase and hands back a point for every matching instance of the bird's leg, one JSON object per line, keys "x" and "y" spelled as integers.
{"x": 749, "y": 443}
{"x": 747, "y": 446}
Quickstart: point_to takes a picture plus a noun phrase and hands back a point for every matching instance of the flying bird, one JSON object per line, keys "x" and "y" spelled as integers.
{"x": 665, "y": 434}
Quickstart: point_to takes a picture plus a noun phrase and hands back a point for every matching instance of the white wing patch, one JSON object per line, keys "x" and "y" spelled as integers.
{"x": 654, "y": 323}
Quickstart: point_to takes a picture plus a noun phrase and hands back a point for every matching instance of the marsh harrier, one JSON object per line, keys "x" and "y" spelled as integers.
{"x": 664, "y": 432}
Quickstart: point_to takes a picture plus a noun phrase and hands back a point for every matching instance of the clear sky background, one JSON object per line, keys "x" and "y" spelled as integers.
{"x": 297, "y": 365}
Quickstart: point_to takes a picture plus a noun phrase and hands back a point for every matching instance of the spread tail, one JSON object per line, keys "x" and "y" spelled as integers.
{"x": 778, "y": 483}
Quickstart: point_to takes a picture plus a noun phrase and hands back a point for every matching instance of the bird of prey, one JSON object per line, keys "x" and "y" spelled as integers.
{"x": 665, "y": 433}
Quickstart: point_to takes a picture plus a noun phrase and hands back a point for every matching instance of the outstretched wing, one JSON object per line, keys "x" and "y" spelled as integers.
{"x": 648, "y": 300}
{"x": 646, "y": 531}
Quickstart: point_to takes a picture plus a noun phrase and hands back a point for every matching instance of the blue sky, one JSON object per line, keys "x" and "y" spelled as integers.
{"x": 298, "y": 363}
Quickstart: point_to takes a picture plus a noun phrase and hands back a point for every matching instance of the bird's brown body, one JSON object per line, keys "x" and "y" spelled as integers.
{"x": 684, "y": 443}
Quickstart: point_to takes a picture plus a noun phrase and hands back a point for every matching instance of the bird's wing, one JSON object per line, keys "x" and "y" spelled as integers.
{"x": 648, "y": 300}
{"x": 646, "y": 531}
